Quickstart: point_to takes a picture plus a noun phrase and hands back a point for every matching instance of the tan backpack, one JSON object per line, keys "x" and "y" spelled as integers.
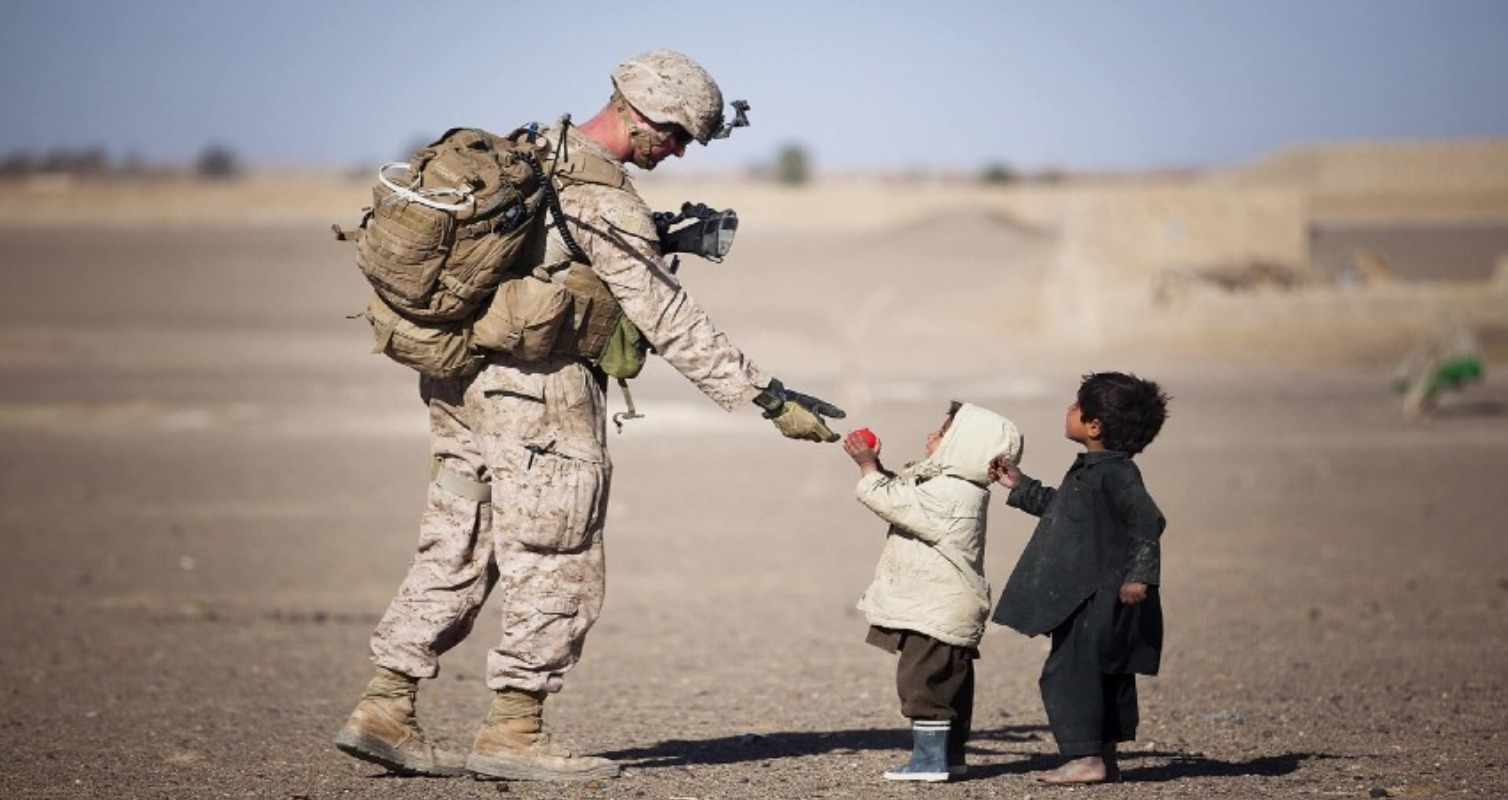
{"x": 445, "y": 231}
{"x": 445, "y": 228}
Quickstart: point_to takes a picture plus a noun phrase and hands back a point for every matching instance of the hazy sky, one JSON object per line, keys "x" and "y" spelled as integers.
{"x": 1090, "y": 84}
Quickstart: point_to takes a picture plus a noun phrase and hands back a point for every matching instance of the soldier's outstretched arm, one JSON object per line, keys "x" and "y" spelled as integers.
{"x": 618, "y": 233}
{"x": 616, "y": 230}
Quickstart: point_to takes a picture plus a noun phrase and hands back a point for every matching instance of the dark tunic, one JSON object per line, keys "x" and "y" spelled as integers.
{"x": 1098, "y": 529}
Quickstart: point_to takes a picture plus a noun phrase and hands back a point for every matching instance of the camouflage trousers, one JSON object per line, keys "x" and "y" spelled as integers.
{"x": 531, "y": 439}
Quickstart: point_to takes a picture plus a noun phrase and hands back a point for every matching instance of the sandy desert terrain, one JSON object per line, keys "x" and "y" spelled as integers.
{"x": 210, "y": 489}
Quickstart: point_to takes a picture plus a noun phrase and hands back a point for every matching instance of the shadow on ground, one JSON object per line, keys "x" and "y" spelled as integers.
{"x": 1469, "y": 408}
{"x": 792, "y": 744}
{"x": 1155, "y": 766}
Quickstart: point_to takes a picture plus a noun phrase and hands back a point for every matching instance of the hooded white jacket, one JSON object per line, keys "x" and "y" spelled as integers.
{"x": 930, "y": 578}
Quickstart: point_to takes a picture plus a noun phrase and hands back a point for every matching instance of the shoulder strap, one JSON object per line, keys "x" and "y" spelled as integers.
{"x": 586, "y": 168}
{"x": 580, "y": 165}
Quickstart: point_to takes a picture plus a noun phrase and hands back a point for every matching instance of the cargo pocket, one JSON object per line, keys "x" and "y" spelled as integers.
{"x": 541, "y": 634}
{"x": 512, "y": 413}
{"x": 556, "y": 605}
{"x": 554, "y": 500}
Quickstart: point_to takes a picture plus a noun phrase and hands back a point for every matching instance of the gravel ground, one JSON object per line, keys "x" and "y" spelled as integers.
{"x": 207, "y": 500}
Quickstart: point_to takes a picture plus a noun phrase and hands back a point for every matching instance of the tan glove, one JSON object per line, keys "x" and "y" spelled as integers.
{"x": 797, "y": 415}
{"x": 795, "y": 422}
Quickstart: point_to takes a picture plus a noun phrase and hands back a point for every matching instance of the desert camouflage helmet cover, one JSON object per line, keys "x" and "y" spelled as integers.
{"x": 667, "y": 87}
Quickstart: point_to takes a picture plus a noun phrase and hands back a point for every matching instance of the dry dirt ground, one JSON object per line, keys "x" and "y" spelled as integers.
{"x": 209, "y": 490}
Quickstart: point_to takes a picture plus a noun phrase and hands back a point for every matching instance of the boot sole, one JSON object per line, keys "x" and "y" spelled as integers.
{"x": 511, "y": 771}
{"x": 925, "y": 777}
{"x": 376, "y": 751}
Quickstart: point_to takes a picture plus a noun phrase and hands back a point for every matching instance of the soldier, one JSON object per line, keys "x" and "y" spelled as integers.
{"x": 521, "y": 469}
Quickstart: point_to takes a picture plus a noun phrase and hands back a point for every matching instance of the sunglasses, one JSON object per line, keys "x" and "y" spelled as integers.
{"x": 681, "y": 136}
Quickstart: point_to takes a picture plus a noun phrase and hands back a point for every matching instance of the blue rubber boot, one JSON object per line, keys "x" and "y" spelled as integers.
{"x": 929, "y": 753}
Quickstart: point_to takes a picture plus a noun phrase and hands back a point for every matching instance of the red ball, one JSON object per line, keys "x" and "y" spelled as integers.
{"x": 869, "y": 437}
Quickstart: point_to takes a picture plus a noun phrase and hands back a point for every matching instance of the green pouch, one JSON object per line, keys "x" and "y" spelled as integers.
{"x": 1456, "y": 373}
{"x": 626, "y": 351}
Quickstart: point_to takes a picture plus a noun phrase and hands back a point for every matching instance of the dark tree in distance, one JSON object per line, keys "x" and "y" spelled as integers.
{"x": 217, "y": 162}
{"x": 792, "y": 167}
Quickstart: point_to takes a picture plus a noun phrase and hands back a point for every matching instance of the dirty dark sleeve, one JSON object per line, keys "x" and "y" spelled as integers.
{"x": 1144, "y": 526}
{"x": 1031, "y": 496}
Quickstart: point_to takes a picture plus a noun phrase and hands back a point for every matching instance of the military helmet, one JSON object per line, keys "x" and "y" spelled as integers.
{"x": 667, "y": 87}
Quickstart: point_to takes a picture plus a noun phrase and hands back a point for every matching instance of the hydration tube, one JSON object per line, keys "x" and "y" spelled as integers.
{"x": 425, "y": 197}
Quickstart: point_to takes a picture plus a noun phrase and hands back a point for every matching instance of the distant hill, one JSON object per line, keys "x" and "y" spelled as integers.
{"x": 1368, "y": 166}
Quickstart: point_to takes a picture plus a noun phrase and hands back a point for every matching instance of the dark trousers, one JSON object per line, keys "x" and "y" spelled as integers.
{"x": 1087, "y": 709}
{"x": 935, "y": 681}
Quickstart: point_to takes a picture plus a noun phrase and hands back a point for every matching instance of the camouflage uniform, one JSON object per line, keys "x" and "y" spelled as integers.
{"x": 531, "y": 438}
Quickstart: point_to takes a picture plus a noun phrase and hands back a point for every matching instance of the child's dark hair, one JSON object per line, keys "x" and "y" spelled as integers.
{"x": 1130, "y": 410}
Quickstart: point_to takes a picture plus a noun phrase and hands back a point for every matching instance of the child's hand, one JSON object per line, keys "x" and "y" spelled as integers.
{"x": 1133, "y": 593}
{"x": 857, "y": 445}
{"x": 1004, "y": 471}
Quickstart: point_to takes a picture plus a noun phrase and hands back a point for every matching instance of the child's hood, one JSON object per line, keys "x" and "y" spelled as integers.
{"x": 976, "y": 436}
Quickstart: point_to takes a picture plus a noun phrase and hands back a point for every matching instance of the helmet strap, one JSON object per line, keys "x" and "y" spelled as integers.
{"x": 644, "y": 138}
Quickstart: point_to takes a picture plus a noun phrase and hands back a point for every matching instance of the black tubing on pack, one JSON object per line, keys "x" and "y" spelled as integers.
{"x": 558, "y": 216}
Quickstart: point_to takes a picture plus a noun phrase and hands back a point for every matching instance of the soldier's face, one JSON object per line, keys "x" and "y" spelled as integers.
{"x": 673, "y": 141}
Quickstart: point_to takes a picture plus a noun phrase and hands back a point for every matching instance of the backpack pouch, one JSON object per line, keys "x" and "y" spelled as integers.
{"x": 472, "y": 272}
{"x": 626, "y": 351}
{"x": 437, "y": 350}
{"x": 524, "y": 319}
{"x": 403, "y": 249}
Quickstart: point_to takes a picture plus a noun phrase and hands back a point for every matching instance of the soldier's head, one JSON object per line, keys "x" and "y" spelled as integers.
{"x": 665, "y": 101}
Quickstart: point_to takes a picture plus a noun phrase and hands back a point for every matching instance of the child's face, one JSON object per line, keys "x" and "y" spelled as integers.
{"x": 935, "y": 438}
{"x": 1077, "y": 430}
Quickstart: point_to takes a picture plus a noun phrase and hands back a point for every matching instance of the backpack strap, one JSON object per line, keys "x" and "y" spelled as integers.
{"x": 573, "y": 165}
{"x": 573, "y": 168}
{"x": 586, "y": 168}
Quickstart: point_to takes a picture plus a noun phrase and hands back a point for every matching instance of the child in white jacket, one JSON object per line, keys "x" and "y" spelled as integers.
{"x": 929, "y": 599}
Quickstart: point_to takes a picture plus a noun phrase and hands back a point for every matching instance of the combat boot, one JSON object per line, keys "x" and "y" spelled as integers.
{"x": 383, "y": 730}
{"x": 929, "y": 753}
{"x": 513, "y": 745}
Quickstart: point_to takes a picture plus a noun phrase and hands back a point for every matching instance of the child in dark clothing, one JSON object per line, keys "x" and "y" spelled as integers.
{"x": 1089, "y": 575}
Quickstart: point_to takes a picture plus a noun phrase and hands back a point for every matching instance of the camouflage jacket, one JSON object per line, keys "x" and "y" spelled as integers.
{"x": 615, "y": 228}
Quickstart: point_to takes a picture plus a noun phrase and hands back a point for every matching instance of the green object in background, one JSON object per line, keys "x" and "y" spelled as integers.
{"x": 1452, "y": 374}
{"x": 1449, "y": 375}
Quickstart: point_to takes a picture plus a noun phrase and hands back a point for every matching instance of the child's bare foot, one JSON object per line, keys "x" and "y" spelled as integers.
{"x": 1089, "y": 769}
